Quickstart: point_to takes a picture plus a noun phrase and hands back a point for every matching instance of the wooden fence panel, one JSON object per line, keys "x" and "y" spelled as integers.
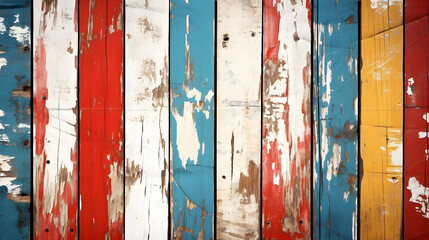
{"x": 286, "y": 120}
{"x": 146, "y": 119}
{"x": 381, "y": 119}
{"x": 239, "y": 38}
{"x": 15, "y": 91}
{"x": 336, "y": 119}
{"x": 416, "y": 123}
{"x": 101, "y": 119}
{"x": 192, "y": 118}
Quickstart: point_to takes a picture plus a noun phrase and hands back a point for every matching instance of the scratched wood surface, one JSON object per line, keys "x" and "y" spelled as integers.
{"x": 416, "y": 167}
{"x": 239, "y": 36}
{"x": 381, "y": 119}
{"x": 286, "y": 118}
{"x": 335, "y": 115}
{"x": 15, "y": 85}
{"x": 192, "y": 118}
{"x": 101, "y": 119}
{"x": 146, "y": 111}
{"x": 55, "y": 163}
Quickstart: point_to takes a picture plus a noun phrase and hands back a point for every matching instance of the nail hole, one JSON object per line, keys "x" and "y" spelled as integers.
{"x": 46, "y": 230}
{"x": 253, "y": 34}
{"x": 223, "y": 177}
{"x": 47, "y": 161}
{"x": 43, "y": 97}
{"x": 300, "y": 221}
{"x": 268, "y": 222}
{"x": 394, "y": 178}
{"x": 71, "y": 230}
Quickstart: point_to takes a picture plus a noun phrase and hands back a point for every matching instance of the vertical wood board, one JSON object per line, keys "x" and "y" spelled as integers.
{"x": 101, "y": 119}
{"x": 286, "y": 120}
{"x": 239, "y": 35}
{"x": 147, "y": 116}
{"x": 381, "y": 119}
{"x": 192, "y": 118}
{"x": 15, "y": 85}
{"x": 336, "y": 119}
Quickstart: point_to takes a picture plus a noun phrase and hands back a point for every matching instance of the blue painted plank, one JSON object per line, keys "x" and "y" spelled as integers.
{"x": 15, "y": 82}
{"x": 191, "y": 118}
{"x": 336, "y": 119}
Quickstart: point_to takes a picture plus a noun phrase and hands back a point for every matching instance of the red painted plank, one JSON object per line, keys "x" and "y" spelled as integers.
{"x": 101, "y": 119}
{"x": 416, "y": 142}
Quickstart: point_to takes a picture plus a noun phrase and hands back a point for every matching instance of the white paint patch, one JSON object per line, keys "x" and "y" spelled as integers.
{"x": 410, "y": 83}
{"x": 423, "y": 134}
{"x": 3, "y": 62}
{"x": 23, "y": 125}
{"x": 384, "y": 4}
{"x": 6, "y": 176}
{"x": 4, "y": 138}
{"x": 276, "y": 179}
{"x": 2, "y": 26}
{"x": 22, "y": 35}
{"x": 16, "y": 18}
{"x": 426, "y": 117}
{"x": 209, "y": 96}
{"x": 334, "y": 163}
{"x": 419, "y": 195}
{"x": 188, "y": 143}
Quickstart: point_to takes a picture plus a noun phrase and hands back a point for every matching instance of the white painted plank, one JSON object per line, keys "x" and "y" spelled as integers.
{"x": 55, "y": 119}
{"x": 146, "y": 123}
{"x": 239, "y": 118}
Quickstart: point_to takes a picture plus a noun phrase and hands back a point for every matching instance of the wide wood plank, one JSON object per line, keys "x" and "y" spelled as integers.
{"x": 239, "y": 36}
{"x": 101, "y": 119}
{"x": 15, "y": 91}
{"x": 416, "y": 142}
{"x": 192, "y": 118}
{"x": 146, "y": 119}
{"x": 336, "y": 119}
{"x": 381, "y": 119}
{"x": 287, "y": 119}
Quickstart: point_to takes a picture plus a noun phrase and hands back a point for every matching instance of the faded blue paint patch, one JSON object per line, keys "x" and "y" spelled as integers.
{"x": 15, "y": 82}
{"x": 195, "y": 183}
{"x": 335, "y": 116}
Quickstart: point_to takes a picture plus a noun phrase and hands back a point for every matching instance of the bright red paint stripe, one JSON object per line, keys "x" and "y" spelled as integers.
{"x": 416, "y": 166}
{"x": 101, "y": 119}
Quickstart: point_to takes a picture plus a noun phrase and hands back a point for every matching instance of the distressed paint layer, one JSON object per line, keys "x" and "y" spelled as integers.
{"x": 101, "y": 119}
{"x": 191, "y": 118}
{"x": 146, "y": 111}
{"x": 335, "y": 115}
{"x": 55, "y": 163}
{"x": 286, "y": 118}
{"x": 239, "y": 35}
{"x": 381, "y": 120}
{"x": 416, "y": 142}
{"x": 15, "y": 85}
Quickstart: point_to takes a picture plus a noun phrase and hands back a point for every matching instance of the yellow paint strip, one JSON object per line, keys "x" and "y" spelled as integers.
{"x": 381, "y": 119}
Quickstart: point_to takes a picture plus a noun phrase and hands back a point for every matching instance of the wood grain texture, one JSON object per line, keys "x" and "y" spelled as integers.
{"x": 55, "y": 120}
{"x": 381, "y": 119}
{"x": 15, "y": 91}
{"x": 147, "y": 115}
{"x": 416, "y": 142}
{"x": 286, "y": 120}
{"x": 191, "y": 118}
{"x": 239, "y": 36}
{"x": 101, "y": 119}
{"x": 336, "y": 119}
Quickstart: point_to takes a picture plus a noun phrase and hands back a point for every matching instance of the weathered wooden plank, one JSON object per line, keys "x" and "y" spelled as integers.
{"x": 191, "y": 118}
{"x": 15, "y": 85}
{"x": 286, "y": 118}
{"x": 239, "y": 36}
{"x": 416, "y": 169}
{"x": 381, "y": 120}
{"x": 55, "y": 163}
{"x": 101, "y": 119}
{"x": 335, "y": 114}
{"x": 147, "y": 116}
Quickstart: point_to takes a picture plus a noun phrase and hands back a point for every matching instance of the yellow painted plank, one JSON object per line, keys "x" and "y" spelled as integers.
{"x": 381, "y": 119}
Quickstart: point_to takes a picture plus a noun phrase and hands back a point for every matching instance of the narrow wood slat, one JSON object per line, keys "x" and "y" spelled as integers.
{"x": 336, "y": 119}
{"x": 287, "y": 119}
{"x": 381, "y": 119}
{"x": 55, "y": 163}
{"x": 192, "y": 118}
{"x": 239, "y": 35}
{"x": 15, "y": 90}
{"x": 416, "y": 167}
{"x": 146, "y": 119}
{"x": 101, "y": 119}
